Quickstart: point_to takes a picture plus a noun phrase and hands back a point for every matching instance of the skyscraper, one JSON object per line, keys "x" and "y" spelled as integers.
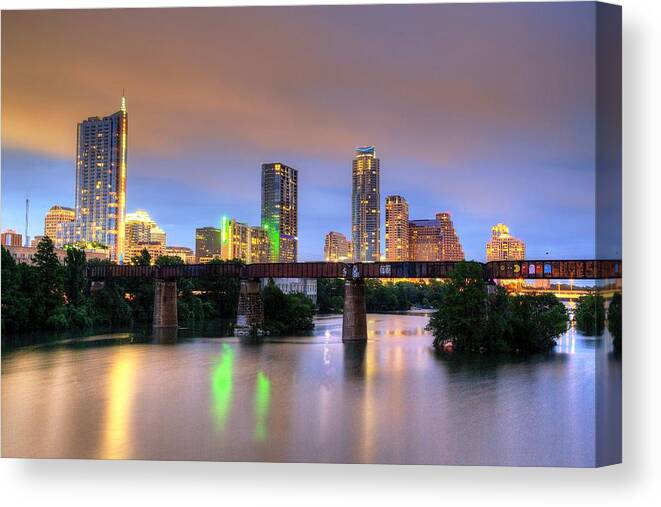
{"x": 207, "y": 244}
{"x": 425, "y": 240}
{"x": 504, "y": 247}
{"x": 397, "y": 228}
{"x": 365, "y": 206}
{"x": 337, "y": 248}
{"x": 101, "y": 180}
{"x": 55, "y": 216}
{"x": 451, "y": 249}
{"x": 280, "y": 210}
{"x": 434, "y": 240}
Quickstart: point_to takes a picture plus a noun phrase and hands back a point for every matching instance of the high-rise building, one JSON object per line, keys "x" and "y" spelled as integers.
{"x": 55, "y": 216}
{"x": 259, "y": 245}
{"x": 12, "y": 238}
{"x": 101, "y": 180}
{"x": 451, "y": 246}
{"x": 243, "y": 242}
{"x": 337, "y": 248}
{"x": 207, "y": 244}
{"x": 157, "y": 235}
{"x": 365, "y": 206}
{"x": 434, "y": 240}
{"x": 397, "y": 228}
{"x": 504, "y": 247}
{"x": 425, "y": 240}
{"x": 280, "y": 210}
{"x": 137, "y": 227}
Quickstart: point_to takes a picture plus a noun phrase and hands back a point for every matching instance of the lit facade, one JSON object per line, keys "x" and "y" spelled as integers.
{"x": 365, "y": 206}
{"x": 154, "y": 248}
{"x": 451, "y": 246}
{"x": 101, "y": 181}
{"x": 337, "y": 248}
{"x": 12, "y": 238}
{"x": 140, "y": 227}
{"x": 259, "y": 245}
{"x": 243, "y": 242}
{"x": 207, "y": 244}
{"x": 280, "y": 210}
{"x": 183, "y": 252}
{"x": 397, "y": 228}
{"x": 55, "y": 216}
{"x": 434, "y": 240}
{"x": 425, "y": 240}
{"x": 504, "y": 247}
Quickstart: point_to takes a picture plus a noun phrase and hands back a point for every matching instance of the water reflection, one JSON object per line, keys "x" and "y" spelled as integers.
{"x": 221, "y": 386}
{"x": 262, "y": 405}
{"x": 120, "y": 393}
{"x": 306, "y": 398}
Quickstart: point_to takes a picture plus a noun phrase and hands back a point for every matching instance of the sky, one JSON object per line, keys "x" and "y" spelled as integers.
{"x": 483, "y": 110}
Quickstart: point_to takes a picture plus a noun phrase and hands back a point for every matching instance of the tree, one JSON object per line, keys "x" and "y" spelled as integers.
{"x": 590, "y": 314}
{"x": 462, "y": 312}
{"x": 168, "y": 260}
{"x": 286, "y": 313}
{"x": 330, "y": 295}
{"x": 536, "y": 320}
{"x": 615, "y": 320}
{"x": 75, "y": 276}
{"x": 142, "y": 259}
{"x": 48, "y": 295}
{"x": 477, "y": 318}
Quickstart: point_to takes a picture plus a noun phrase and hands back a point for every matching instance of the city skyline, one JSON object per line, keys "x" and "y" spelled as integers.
{"x": 511, "y": 157}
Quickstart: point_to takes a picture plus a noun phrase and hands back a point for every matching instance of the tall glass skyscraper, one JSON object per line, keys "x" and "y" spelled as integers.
{"x": 365, "y": 206}
{"x": 101, "y": 181}
{"x": 280, "y": 210}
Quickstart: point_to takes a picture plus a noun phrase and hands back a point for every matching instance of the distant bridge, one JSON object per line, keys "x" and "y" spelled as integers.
{"x": 250, "y": 313}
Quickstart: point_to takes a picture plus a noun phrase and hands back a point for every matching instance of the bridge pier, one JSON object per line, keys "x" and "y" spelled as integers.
{"x": 250, "y": 314}
{"x": 354, "y": 319}
{"x": 165, "y": 304}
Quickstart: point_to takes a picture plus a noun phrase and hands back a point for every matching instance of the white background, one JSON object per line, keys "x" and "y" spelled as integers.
{"x": 636, "y": 482}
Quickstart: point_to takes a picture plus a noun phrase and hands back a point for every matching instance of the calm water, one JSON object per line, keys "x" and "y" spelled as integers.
{"x": 308, "y": 399}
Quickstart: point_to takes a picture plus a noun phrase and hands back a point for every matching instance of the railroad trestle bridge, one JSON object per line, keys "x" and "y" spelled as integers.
{"x": 250, "y": 312}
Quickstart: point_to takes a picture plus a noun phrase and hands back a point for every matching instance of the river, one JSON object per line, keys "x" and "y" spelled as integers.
{"x": 307, "y": 399}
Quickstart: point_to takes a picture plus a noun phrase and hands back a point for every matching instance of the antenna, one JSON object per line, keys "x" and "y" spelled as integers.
{"x": 27, "y": 210}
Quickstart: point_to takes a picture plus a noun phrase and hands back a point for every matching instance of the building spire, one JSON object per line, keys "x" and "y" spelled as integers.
{"x": 122, "y": 106}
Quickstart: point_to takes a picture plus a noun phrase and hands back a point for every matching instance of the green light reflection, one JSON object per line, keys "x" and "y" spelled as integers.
{"x": 262, "y": 405}
{"x": 221, "y": 386}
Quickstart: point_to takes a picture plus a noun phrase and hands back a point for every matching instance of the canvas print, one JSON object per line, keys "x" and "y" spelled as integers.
{"x": 340, "y": 234}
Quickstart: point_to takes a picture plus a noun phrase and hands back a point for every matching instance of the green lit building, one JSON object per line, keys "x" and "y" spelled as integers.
{"x": 280, "y": 210}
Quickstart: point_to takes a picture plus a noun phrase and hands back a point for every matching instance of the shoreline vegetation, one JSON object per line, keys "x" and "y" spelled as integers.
{"x": 476, "y": 318}
{"x": 466, "y": 314}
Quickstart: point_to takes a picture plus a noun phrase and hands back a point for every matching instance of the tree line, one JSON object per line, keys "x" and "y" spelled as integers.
{"x": 54, "y": 296}
{"x": 591, "y": 316}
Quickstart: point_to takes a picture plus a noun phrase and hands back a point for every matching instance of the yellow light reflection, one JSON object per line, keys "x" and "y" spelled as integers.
{"x": 120, "y": 392}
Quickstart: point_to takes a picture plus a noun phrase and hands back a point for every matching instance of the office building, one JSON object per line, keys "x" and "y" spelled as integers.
{"x": 11, "y": 238}
{"x": 183, "y": 252}
{"x": 504, "y": 247}
{"x": 55, "y": 216}
{"x": 280, "y": 210}
{"x": 365, "y": 206}
{"x": 207, "y": 244}
{"x": 337, "y": 248}
{"x": 397, "y": 228}
{"x": 101, "y": 167}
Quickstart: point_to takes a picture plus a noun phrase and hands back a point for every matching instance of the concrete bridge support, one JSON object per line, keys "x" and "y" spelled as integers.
{"x": 250, "y": 314}
{"x": 354, "y": 320}
{"x": 165, "y": 304}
